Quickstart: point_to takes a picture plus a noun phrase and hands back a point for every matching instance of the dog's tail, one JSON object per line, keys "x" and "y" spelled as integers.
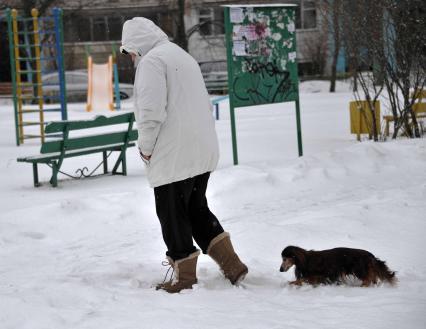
{"x": 384, "y": 273}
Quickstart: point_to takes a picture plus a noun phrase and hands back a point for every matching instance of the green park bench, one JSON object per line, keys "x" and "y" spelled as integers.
{"x": 53, "y": 152}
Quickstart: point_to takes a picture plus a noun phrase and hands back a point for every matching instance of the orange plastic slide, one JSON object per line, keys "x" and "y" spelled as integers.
{"x": 99, "y": 86}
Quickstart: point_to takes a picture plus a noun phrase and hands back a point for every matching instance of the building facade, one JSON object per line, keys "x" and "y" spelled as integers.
{"x": 95, "y": 28}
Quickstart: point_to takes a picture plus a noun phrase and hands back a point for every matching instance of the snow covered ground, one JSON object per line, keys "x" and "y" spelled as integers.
{"x": 86, "y": 254}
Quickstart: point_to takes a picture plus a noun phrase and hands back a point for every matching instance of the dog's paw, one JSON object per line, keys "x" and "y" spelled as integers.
{"x": 296, "y": 283}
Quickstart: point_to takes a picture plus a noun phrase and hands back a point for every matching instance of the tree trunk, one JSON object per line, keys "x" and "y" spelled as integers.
{"x": 334, "y": 72}
{"x": 336, "y": 35}
{"x": 41, "y": 5}
{"x": 181, "y": 38}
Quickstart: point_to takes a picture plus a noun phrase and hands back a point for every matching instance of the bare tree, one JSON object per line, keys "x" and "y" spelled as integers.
{"x": 41, "y": 5}
{"x": 315, "y": 51}
{"x": 386, "y": 44}
{"x": 363, "y": 38}
{"x": 181, "y": 33}
{"x": 181, "y": 38}
{"x": 332, "y": 13}
{"x": 405, "y": 49}
{"x": 178, "y": 31}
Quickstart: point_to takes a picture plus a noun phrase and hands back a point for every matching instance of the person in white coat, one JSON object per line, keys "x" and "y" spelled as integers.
{"x": 178, "y": 143}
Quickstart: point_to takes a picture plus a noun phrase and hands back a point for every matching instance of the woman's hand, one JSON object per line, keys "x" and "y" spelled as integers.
{"x": 143, "y": 156}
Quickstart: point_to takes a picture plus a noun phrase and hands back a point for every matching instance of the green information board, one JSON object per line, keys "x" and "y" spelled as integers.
{"x": 261, "y": 52}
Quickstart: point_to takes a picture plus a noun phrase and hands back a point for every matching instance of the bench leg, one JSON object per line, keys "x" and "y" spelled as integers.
{"x": 123, "y": 164}
{"x": 105, "y": 161}
{"x": 114, "y": 170}
{"x": 35, "y": 175}
{"x": 387, "y": 128}
{"x": 121, "y": 159}
{"x": 54, "y": 179}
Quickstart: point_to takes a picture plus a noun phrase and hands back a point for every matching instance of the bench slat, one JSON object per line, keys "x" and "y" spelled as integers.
{"x": 54, "y": 156}
{"x": 99, "y": 121}
{"x": 88, "y": 141}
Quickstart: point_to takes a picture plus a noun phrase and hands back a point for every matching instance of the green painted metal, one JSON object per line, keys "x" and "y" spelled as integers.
{"x": 35, "y": 175}
{"x": 105, "y": 161}
{"x": 59, "y": 31}
{"x": 122, "y": 156}
{"x": 261, "y": 55}
{"x": 228, "y": 33}
{"x": 299, "y": 129}
{"x": 13, "y": 71}
{"x": 48, "y": 158}
{"x": 53, "y": 153}
{"x": 88, "y": 141}
{"x": 99, "y": 121}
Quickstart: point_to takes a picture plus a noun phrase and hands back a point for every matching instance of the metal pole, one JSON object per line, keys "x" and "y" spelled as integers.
{"x": 299, "y": 127}
{"x": 234, "y": 135}
{"x": 116, "y": 81}
{"x": 13, "y": 72}
{"x": 298, "y": 121}
{"x": 59, "y": 41}
{"x": 228, "y": 30}
{"x": 34, "y": 13}
{"x": 18, "y": 75}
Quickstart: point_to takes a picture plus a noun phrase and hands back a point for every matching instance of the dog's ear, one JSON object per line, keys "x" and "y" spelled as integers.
{"x": 299, "y": 256}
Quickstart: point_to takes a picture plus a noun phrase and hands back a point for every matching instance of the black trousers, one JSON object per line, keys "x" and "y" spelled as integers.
{"x": 184, "y": 214}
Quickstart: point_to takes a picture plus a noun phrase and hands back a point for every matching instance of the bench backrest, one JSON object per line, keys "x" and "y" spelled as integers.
{"x": 97, "y": 140}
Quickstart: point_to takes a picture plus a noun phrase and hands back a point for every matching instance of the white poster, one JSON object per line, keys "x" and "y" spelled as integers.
{"x": 236, "y": 15}
{"x": 239, "y": 48}
{"x": 291, "y": 28}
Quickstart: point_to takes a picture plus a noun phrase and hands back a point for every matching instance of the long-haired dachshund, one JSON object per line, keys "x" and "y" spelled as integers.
{"x": 334, "y": 265}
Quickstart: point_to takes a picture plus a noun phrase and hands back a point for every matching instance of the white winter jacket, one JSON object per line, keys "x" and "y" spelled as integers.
{"x": 172, "y": 107}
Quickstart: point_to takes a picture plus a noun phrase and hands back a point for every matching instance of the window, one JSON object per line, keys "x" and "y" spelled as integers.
{"x": 219, "y": 19}
{"x": 309, "y": 15}
{"x": 211, "y": 21}
{"x": 99, "y": 28}
{"x": 83, "y": 29}
{"x": 102, "y": 27}
{"x": 298, "y": 18}
{"x": 115, "y": 26}
{"x": 306, "y": 15}
{"x": 95, "y": 28}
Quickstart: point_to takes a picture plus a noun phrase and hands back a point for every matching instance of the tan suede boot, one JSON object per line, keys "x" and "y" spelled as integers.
{"x": 185, "y": 274}
{"x": 221, "y": 250}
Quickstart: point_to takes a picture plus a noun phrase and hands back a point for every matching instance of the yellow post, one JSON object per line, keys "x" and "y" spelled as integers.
{"x": 18, "y": 74}
{"x": 34, "y": 14}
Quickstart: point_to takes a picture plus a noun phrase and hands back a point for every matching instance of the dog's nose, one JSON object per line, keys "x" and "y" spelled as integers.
{"x": 281, "y": 269}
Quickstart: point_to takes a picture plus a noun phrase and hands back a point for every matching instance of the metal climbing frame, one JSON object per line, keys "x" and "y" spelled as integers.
{"x": 36, "y": 48}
